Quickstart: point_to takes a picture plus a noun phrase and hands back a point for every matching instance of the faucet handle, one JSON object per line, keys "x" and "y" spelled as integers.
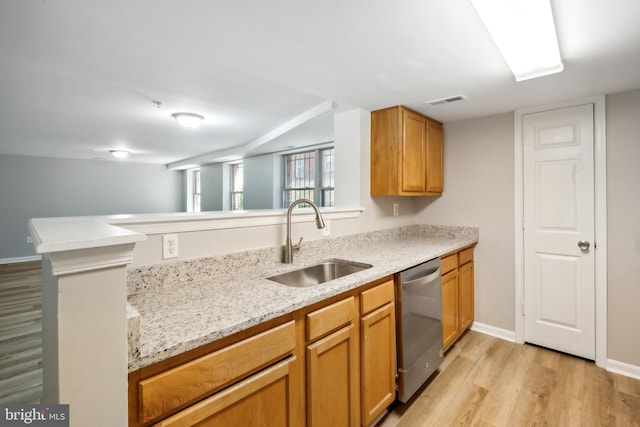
{"x": 297, "y": 247}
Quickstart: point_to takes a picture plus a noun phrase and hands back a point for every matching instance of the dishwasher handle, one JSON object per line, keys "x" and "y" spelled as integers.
{"x": 424, "y": 280}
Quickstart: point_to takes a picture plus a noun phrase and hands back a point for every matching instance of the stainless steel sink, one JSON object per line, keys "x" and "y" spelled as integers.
{"x": 319, "y": 273}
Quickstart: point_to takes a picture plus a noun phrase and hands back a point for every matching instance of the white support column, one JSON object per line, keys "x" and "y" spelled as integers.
{"x": 352, "y": 130}
{"x": 84, "y": 317}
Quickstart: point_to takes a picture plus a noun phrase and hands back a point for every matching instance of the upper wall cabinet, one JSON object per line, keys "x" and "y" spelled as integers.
{"x": 406, "y": 153}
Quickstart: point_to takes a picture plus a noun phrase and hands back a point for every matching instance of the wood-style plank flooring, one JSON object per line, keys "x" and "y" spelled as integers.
{"x": 21, "y": 333}
{"x": 486, "y": 381}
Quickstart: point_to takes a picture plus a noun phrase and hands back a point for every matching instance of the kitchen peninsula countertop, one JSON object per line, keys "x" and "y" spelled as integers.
{"x": 180, "y": 306}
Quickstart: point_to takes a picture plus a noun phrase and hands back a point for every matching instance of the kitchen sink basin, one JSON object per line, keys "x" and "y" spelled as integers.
{"x": 319, "y": 273}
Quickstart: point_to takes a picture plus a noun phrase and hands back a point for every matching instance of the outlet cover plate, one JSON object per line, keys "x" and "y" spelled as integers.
{"x": 169, "y": 246}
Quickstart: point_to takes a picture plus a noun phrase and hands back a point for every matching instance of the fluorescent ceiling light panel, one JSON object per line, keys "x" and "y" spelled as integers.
{"x": 525, "y": 34}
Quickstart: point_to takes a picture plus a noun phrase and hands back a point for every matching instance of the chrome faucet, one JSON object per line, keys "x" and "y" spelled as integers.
{"x": 288, "y": 247}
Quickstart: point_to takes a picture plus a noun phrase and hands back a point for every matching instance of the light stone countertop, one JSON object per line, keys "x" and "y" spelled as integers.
{"x": 177, "y": 307}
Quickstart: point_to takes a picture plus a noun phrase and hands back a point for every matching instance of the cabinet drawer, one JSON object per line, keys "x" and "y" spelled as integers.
{"x": 376, "y": 297}
{"x": 465, "y": 256}
{"x": 330, "y": 318}
{"x": 448, "y": 263}
{"x": 244, "y": 403}
{"x": 193, "y": 380}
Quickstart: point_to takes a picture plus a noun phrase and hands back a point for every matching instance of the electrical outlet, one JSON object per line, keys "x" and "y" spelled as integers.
{"x": 396, "y": 209}
{"x": 29, "y": 239}
{"x": 169, "y": 246}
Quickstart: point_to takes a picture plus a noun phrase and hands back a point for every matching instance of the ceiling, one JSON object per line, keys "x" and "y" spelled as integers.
{"x": 81, "y": 77}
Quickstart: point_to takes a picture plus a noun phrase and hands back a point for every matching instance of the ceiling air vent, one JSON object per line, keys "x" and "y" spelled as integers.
{"x": 446, "y": 100}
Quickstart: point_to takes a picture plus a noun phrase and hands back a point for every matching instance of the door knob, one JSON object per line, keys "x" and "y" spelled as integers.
{"x": 583, "y": 245}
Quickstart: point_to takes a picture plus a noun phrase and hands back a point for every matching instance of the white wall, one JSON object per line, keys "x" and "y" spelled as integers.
{"x": 214, "y": 179}
{"x": 478, "y": 191}
{"x": 262, "y": 182}
{"x": 353, "y": 184}
{"x": 36, "y": 187}
{"x": 352, "y": 146}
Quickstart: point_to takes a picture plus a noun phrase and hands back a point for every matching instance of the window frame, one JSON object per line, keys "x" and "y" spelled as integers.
{"x": 234, "y": 203}
{"x": 319, "y": 189}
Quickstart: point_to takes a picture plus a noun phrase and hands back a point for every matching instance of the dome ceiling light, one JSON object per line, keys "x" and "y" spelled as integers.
{"x": 119, "y": 154}
{"x": 188, "y": 120}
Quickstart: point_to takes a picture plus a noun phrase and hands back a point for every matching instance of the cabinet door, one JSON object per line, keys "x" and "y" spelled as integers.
{"x": 378, "y": 362}
{"x": 449, "y": 308}
{"x": 333, "y": 384}
{"x": 465, "y": 296}
{"x": 266, "y": 398}
{"x": 434, "y": 159}
{"x": 413, "y": 152}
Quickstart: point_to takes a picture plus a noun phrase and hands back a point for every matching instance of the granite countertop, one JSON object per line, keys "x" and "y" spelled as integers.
{"x": 177, "y": 307}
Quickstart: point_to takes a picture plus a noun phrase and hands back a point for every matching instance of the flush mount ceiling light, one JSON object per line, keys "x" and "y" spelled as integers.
{"x": 120, "y": 154}
{"x": 188, "y": 120}
{"x": 525, "y": 34}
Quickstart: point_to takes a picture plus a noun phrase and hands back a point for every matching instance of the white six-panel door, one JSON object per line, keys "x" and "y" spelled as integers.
{"x": 559, "y": 299}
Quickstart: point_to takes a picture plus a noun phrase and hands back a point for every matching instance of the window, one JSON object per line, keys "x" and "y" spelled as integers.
{"x": 193, "y": 183}
{"x": 309, "y": 175}
{"x": 237, "y": 185}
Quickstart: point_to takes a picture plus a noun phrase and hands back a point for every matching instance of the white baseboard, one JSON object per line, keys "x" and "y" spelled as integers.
{"x": 622, "y": 368}
{"x": 20, "y": 259}
{"x": 503, "y": 334}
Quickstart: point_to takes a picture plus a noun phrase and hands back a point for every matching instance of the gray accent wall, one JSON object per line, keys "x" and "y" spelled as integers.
{"x": 38, "y": 187}
{"x": 479, "y": 191}
{"x": 262, "y": 182}
{"x": 623, "y": 226}
{"x": 214, "y": 184}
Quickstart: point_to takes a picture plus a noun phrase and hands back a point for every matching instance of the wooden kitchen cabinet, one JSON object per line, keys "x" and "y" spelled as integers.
{"x": 406, "y": 153}
{"x": 329, "y": 364}
{"x": 378, "y": 351}
{"x": 457, "y": 294}
{"x": 449, "y": 308}
{"x": 263, "y": 399}
{"x": 259, "y": 373}
{"x": 466, "y": 296}
{"x": 333, "y": 384}
{"x": 434, "y": 166}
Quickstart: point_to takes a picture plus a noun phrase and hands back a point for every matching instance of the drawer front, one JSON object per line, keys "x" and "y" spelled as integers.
{"x": 244, "y": 403}
{"x": 186, "y": 383}
{"x": 465, "y": 256}
{"x": 330, "y": 318}
{"x": 376, "y": 297}
{"x": 448, "y": 263}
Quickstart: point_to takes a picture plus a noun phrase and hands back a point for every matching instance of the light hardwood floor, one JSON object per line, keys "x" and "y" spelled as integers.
{"x": 485, "y": 381}
{"x": 20, "y": 333}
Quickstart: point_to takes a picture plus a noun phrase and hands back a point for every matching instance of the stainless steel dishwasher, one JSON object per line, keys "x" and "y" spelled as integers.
{"x": 419, "y": 326}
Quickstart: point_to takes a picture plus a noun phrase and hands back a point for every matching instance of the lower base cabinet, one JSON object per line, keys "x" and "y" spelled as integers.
{"x": 466, "y": 297}
{"x": 457, "y": 295}
{"x": 332, "y": 364}
{"x": 449, "y": 308}
{"x": 378, "y": 351}
{"x": 260, "y": 400}
{"x": 332, "y": 391}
